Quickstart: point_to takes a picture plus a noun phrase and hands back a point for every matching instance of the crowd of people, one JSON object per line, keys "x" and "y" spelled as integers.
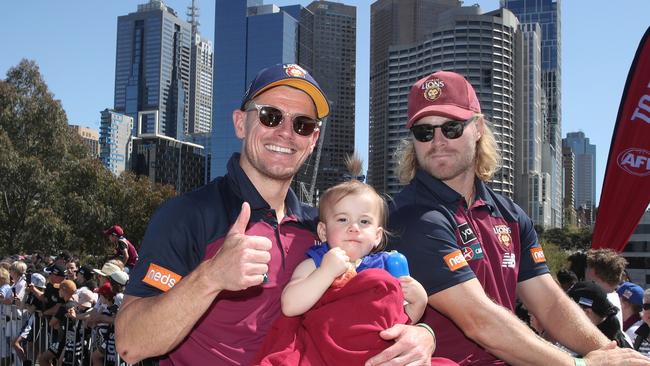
{"x": 58, "y": 311}
{"x": 240, "y": 272}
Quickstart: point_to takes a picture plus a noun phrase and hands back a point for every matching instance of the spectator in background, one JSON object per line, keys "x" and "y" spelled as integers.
{"x": 641, "y": 340}
{"x": 631, "y": 296}
{"x": 31, "y": 304}
{"x": 71, "y": 270}
{"x": 606, "y": 267}
{"x": 578, "y": 264}
{"x": 17, "y": 273}
{"x": 86, "y": 278}
{"x": 67, "y": 289}
{"x": 602, "y": 313}
{"x": 124, "y": 250}
{"x": 566, "y": 278}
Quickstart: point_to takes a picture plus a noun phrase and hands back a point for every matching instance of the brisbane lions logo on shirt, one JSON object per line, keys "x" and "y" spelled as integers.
{"x": 503, "y": 234}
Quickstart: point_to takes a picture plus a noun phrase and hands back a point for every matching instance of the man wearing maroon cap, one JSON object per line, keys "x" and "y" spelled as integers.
{"x": 124, "y": 250}
{"x": 214, "y": 261}
{"x": 476, "y": 251}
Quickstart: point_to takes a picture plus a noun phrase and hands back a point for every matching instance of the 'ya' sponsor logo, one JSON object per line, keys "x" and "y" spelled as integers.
{"x": 635, "y": 161}
{"x": 538, "y": 255}
{"x": 455, "y": 260}
{"x": 466, "y": 233}
{"x": 161, "y": 278}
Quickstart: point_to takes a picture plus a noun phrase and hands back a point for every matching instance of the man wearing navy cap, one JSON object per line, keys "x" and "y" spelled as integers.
{"x": 475, "y": 251}
{"x": 631, "y": 296}
{"x": 214, "y": 262}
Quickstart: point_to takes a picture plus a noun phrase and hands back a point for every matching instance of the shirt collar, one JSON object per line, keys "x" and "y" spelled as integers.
{"x": 244, "y": 188}
{"x": 438, "y": 189}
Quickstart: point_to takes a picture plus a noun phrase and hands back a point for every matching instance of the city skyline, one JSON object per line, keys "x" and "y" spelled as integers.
{"x": 78, "y": 62}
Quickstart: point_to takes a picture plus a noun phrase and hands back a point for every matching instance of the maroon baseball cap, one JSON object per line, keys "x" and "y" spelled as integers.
{"x": 114, "y": 230}
{"x": 443, "y": 93}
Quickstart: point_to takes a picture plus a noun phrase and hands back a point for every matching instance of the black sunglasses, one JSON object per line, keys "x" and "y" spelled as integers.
{"x": 450, "y": 129}
{"x": 272, "y": 117}
{"x": 646, "y": 306}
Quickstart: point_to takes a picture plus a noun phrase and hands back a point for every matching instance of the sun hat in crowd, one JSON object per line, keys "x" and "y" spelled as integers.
{"x": 443, "y": 93}
{"x": 85, "y": 297}
{"x": 38, "y": 280}
{"x": 292, "y": 75}
{"x": 68, "y": 285}
{"x": 114, "y": 230}
{"x": 107, "y": 269}
{"x": 120, "y": 277}
{"x": 590, "y": 295}
{"x": 631, "y": 292}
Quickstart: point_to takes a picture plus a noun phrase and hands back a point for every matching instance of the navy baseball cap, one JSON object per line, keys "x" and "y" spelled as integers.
{"x": 292, "y": 75}
{"x": 631, "y": 292}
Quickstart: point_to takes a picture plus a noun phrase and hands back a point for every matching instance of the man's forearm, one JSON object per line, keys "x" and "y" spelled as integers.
{"x": 569, "y": 325}
{"x": 143, "y": 324}
{"x": 505, "y": 336}
{"x": 559, "y": 315}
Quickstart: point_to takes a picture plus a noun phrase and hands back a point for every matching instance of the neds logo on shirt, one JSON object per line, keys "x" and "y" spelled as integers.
{"x": 455, "y": 260}
{"x": 161, "y": 278}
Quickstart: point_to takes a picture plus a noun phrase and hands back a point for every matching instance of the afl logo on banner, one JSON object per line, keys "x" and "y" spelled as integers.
{"x": 635, "y": 161}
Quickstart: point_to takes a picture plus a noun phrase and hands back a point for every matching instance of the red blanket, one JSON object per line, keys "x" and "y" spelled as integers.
{"x": 342, "y": 328}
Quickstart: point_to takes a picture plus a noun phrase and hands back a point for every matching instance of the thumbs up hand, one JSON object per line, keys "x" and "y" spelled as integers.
{"x": 242, "y": 260}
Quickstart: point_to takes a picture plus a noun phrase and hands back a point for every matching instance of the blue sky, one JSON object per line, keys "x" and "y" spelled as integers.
{"x": 73, "y": 42}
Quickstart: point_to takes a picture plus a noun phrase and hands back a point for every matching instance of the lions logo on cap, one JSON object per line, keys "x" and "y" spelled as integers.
{"x": 295, "y": 71}
{"x": 433, "y": 89}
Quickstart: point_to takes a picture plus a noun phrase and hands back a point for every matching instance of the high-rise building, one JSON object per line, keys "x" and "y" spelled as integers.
{"x": 152, "y": 69}
{"x": 530, "y": 191}
{"x": 200, "y": 118}
{"x": 480, "y": 47}
{"x": 637, "y": 253}
{"x": 169, "y": 161}
{"x": 569, "y": 167}
{"x": 90, "y": 138}
{"x": 585, "y": 169}
{"x": 248, "y": 37}
{"x": 115, "y": 141}
{"x": 546, "y": 13}
{"x": 328, "y": 48}
{"x": 393, "y": 23}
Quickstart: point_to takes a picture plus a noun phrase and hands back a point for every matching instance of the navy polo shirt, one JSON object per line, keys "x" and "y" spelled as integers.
{"x": 189, "y": 229}
{"x": 447, "y": 243}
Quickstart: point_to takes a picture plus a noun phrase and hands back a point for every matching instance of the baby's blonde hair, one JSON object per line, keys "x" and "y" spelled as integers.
{"x": 335, "y": 194}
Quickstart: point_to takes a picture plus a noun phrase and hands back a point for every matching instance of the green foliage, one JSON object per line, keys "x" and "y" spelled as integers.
{"x": 568, "y": 238}
{"x": 53, "y": 195}
{"x": 556, "y": 258}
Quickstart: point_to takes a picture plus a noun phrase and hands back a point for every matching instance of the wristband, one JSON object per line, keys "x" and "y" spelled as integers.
{"x": 428, "y": 328}
{"x": 580, "y": 362}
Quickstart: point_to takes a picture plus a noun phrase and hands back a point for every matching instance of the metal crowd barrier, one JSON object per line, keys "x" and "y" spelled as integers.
{"x": 24, "y": 337}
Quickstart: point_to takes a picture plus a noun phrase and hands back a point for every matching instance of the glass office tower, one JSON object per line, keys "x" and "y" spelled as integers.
{"x": 152, "y": 69}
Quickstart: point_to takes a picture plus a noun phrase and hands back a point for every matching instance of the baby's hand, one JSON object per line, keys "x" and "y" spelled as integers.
{"x": 413, "y": 291}
{"x": 335, "y": 262}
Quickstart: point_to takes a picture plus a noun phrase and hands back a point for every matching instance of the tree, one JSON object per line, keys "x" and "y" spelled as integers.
{"x": 54, "y": 195}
